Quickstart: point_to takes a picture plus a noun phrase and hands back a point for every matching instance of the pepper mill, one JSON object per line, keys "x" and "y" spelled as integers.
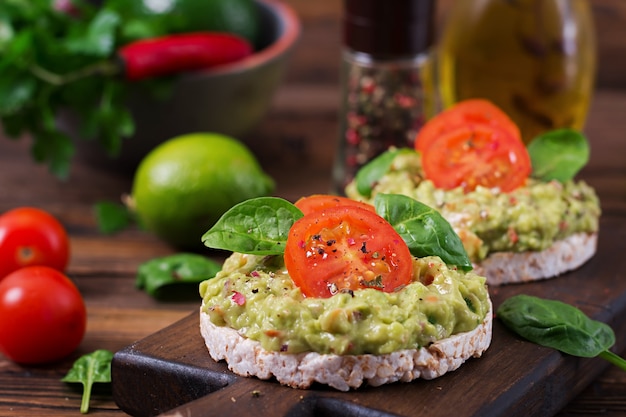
{"x": 385, "y": 93}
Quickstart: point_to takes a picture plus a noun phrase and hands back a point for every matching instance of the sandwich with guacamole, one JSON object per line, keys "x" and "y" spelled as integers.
{"x": 518, "y": 209}
{"x": 342, "y": 293}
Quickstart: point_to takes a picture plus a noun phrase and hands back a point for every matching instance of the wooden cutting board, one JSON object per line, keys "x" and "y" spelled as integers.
{"x": 171, "y": 373}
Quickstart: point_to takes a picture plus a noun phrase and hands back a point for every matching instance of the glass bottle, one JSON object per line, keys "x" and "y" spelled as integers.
{"x": 534, "y": 58}
{"x": 383, "y": 94}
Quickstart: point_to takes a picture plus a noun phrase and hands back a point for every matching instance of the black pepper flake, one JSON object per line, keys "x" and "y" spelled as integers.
{"x": 364, "y": 247}
{"x": 348, "y": 291}
{"x": 255, "y": 290}
{"x": 330, "y": 242}
{"x": 317, "y": 237}
{"x": 284, "y": 348}
{"x": 320, "y": 251}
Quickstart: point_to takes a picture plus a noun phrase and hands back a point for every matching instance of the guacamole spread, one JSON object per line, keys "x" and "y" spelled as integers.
{"x": 529, "y": 218}
{"x": 256, "y": 296}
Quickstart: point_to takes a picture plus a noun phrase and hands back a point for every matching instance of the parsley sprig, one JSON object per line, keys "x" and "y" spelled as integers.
{"x": 53, "y": 62}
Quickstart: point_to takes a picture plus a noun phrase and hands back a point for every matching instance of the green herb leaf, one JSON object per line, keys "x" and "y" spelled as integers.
{"x": 100, "y": 37}
{"x": 370, "y": 173}
{"x": 560, "y": 326}
{"x": 89, "y": 369}
{"x": 558, "y": 155}
{"x": 423, "y": 228}
{"x": 15, "y": 91}
{"x": 51, "y": 62}
{"x": 112, "y": 217}
{"x": 257, "y": 226}
{"x": 175, "y": 275}
{"x": 56, "y": 149}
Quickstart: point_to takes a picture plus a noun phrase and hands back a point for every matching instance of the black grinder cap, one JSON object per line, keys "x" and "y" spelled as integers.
{"x": 388, "y": 28}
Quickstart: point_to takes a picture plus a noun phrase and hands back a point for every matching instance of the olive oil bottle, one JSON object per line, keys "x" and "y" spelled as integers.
{"x": 534, "y": 58}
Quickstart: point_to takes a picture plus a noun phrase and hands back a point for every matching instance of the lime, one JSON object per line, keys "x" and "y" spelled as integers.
{"x": 183, "y": 186}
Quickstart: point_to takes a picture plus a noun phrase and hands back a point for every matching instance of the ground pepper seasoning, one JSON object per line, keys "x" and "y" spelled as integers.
{"x": 384, "y": 90}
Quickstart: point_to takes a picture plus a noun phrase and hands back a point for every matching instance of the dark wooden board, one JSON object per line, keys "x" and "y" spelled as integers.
{"x": 171, "y": 369}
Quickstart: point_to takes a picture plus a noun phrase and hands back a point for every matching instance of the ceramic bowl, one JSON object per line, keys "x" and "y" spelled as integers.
{"x": 230, "y": 100}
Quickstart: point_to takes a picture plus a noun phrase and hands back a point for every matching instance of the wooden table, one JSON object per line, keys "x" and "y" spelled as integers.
{"x": 295, "y": 144}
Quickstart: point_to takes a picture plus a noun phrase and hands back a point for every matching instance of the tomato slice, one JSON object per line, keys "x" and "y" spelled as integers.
{"x": 467, "y": 112}
{"x": 317, "y": 202}
{"x": 474, "y": 155}
{"x": 346, "y": 248}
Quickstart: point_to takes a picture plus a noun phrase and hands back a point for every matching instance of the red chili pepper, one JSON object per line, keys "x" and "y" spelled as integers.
{"x": 170, "y": 54}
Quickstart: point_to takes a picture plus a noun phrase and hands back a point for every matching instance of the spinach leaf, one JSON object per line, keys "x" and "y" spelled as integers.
{"x": 423, "y": 229}
{"x": 88, "y": 369}
{"x": 112, "y": 217}
{"x": 257, "y": 226}
{"x": 560, "y": 326}
{"x": 558, "y": 155}
{"x": 370, "y": 173}
{"x": 175, "y": 275}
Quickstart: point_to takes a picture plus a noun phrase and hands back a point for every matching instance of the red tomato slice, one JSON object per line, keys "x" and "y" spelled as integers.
{"x": 477, "y": 155}
{"x": 346, "y": 248}
{"x": 317, "y": 202}
{"x": 472, "y": 111}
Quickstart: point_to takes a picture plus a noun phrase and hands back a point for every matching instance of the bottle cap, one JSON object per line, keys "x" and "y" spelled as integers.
{"x": 388, "y": 28}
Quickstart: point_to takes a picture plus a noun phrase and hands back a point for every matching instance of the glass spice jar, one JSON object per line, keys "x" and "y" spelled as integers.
{"x": 384, "y": 96}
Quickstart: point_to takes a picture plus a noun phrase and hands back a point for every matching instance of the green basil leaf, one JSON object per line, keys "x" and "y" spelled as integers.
{"x": 424, "y": 229}
{"x": 370, "y": 173}
{"x": 175, "y": 276}
{"x": 257, "y": 226}
{"x": 89, "y": 369}
{"x": 112, "y": 217}
{"x": 558, "y": 155}
{"x": 555, "y": 324}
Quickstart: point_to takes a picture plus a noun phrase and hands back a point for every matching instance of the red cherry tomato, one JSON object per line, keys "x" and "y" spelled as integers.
{"x": 475, "y": 155}
{"x": 346, "y": 248}
{"x": 318, "y": 202}
{"x": 42, "y": 315}
{"x": 467, "y": 112}
{"x": 30, "y": 236}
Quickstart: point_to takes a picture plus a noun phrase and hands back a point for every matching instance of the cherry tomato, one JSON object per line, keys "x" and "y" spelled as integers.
{"x": 346, "y": 248}
{"x": 475, "y": 155}
{"x": 30, "y": 236}
{"x": 467, "y": 112}
{"x": 42, "y": 315}
{"x": 318, "y": 202}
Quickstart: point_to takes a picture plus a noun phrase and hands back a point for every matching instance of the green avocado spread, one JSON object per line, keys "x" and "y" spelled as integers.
{"x": 256, "y": 296}
{"x": 529, "y": 218}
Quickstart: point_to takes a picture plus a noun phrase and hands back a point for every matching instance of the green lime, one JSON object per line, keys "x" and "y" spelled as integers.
{"x": 183, "y": 186}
